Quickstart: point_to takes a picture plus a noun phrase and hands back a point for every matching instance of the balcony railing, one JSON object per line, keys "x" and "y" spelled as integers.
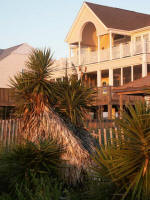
{"x": 119, "y": 51}
{"x": 105, "y": 95}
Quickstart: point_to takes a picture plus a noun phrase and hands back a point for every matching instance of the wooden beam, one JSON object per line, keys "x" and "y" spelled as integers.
{"x": 109, "y": 103}
{"x": 121, "y": 105}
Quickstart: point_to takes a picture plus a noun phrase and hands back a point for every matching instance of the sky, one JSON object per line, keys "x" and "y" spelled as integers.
{"x": 45, "y": 23}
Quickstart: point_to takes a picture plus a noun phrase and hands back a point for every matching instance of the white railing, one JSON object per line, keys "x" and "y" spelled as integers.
{"x": 138, "y": 48}
{"x": 89, "y": 57}
{"x": 126, "y": 50}
{"x": 104, "y": 54}
{"x": 148, "y": 47}
{"x": 120, "y": 51}
{"x": 116, "y": 52}
{"x": 75, "y": 60}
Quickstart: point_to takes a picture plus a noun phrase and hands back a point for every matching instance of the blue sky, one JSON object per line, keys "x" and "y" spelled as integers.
{"x": 45, "y": 23}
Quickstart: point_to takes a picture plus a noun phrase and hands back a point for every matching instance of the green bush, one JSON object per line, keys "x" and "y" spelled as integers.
{"x": 18, "y": 165}
{"x": 126, "y": 163}
{"x": 43, "y": 188}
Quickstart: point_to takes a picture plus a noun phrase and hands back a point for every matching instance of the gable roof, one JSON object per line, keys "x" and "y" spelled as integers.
{"x": 6, "y": 52}
{"x": 119, "y": 18}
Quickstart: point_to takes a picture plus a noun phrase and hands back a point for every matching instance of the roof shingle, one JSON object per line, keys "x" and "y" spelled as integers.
{"x": 119, "y": 18}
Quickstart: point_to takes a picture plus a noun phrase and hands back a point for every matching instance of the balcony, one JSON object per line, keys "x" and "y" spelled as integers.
{"x": 105, "y": 96}
{"x": 122, "y": 50}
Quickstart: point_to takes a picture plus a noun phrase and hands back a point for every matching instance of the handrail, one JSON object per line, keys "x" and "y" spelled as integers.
{"x": 120, "y": 51}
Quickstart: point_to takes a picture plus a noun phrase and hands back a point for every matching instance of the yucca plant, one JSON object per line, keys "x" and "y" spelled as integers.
{"x": 37, "y": 99}
{"x": 41, "y": 188}
{"x": 73, "y": 100}
{"x": 32, "y": 89}
{"x": 25, "y": 160}
{"x": 129, "y": 166}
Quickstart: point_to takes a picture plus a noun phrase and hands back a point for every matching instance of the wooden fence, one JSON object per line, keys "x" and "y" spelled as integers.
{"x": 9, "y": 130}
{"x": 106, "y": 136}
{"x": 9, "y": 133}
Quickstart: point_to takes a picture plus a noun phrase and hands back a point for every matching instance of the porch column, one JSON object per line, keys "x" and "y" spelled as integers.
{"x": 109, "y": 111}
{"x": 132, "y": 78}
{"x": 110, "y": 44}
{"x": 79, "y": 53}
{"x": 144, "y": 59}
{"x": 121, "y": 76}
{"x": 98, "y": 56}
{"x": 121, "y": 106}
{"x": 99, "y": 77}
{"x": 109, "y": 103}
{"x": 110, "y": 77}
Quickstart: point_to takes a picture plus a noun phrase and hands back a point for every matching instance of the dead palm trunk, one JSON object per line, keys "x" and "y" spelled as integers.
{"x": 77, "y": 154}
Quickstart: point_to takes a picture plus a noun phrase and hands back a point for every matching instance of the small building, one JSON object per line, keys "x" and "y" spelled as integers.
{"x": 12, "y": 61}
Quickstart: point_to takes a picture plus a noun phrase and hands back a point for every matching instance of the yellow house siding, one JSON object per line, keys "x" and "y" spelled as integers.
{"x": 104, "y": 41}
{"x": 85, "y": 16}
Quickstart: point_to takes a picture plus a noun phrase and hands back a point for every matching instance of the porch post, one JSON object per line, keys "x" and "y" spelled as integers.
{"x": 121, "y": 76}
{"x": 109, "y": 111}
{"x": 121, "y": 105}
{"x": 98, "y": 56}
{"x": 144, "y": 59}
{"x": 109, "y": 103}
{"x": 110, "y": 77}
{"x": 99, "y": 77}
{"x": 110, "y": 44}
{"x": 132, "y": 78}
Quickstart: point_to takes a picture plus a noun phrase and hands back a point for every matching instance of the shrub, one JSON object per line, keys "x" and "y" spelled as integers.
{"x": 18, "y": 165}
{"x": 127, "y": 161}
{"x": 43, "y": 188}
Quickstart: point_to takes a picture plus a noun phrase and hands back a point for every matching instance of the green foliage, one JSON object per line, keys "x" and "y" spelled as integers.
{"x": 100, "y": 190}
{"x": 127, "y": 162}
{"x": 73, "y": 100}
{"x": 91, "y": 189}
{"x": 43, "y": 188}
{"x": 32, "y": 88}
{"x": 18, "y": 165}
{"x": 5, "y": 197}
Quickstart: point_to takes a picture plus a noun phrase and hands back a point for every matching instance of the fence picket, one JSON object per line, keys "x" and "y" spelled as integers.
{"x": 9, "y": 132}
{"x": 111, "y": 136}
{"x": 100, "y": 136}
{"x": 116, "y": 133}
{"x": 105, "y": 137}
